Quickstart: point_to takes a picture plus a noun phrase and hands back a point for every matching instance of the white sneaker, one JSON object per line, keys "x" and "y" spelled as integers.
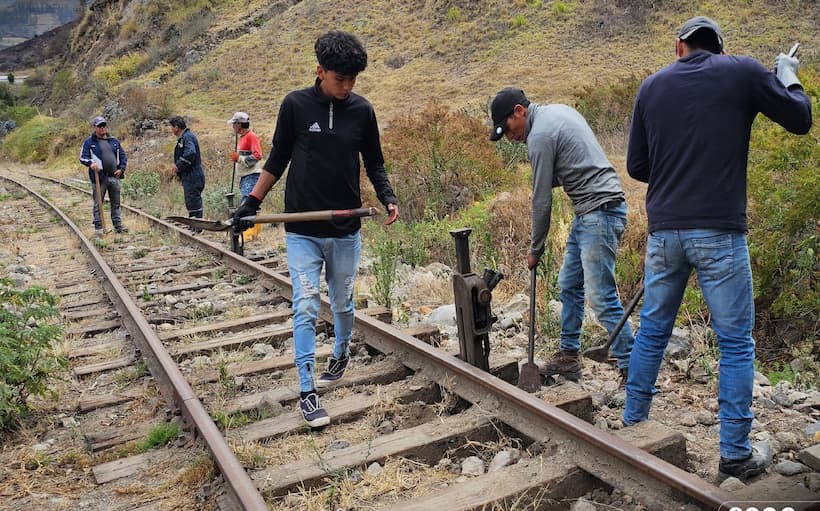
{"x": 99, "y": 232}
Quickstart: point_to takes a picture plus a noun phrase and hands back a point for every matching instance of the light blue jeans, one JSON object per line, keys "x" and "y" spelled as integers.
{"x": 721, "y": 260}
{"x": 306, "y": 256}
{"x": 589, "y": 268}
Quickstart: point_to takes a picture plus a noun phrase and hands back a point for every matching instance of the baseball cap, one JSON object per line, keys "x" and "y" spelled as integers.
{"x": 697, "y": 23}
{"x": 239, "y": 117}
{"x": 502, "y": 107}
{"x": 98, "y": 120}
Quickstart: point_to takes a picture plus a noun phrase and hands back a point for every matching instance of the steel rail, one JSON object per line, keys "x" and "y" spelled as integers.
{"x": 653, "y": 481}
{"x": 174, "y": 386}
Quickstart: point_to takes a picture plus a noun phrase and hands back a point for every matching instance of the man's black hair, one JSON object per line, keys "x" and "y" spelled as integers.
{"x": 341, "y": 52}
{"x": 178, "y": 122}
{"x": 703, "y": 39}
{"x": 244, "y": 125}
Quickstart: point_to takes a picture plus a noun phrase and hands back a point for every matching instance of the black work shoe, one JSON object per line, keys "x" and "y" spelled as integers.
{"x": 335, "y": 370}
{"x": 312, "y": 410}
{"x": 194, "y": 230}
{"x": 121, "y": 229}
{"x": 743, "y": 469}
{"x": 565, "y": 363}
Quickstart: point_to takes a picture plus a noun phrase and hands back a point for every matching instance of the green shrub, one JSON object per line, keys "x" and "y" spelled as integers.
{"x": 19, "y": 113}
{"x": 28, "y": 332}
{"x": 7, "y": 97}
{"x": 121, "y": 69}
{"x": 31, "y": 142}
{"x": 784, "y": 191}
{"x": 560, "y": 7}
{"x": 63, "y": 86}
{"x": 454, "y": 13}
{"x": 608, "y": 108}
{"x": 10, "y": 77}
{"x": 384, "y": 269}
{"x": 441, "y": 162}
{"x": 43, "y": 137}
{"x": 140, "y": 185}
{"x": 518, "y": 21}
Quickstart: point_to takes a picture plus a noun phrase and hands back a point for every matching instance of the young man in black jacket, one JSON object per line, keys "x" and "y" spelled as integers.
{"x": 321, "y": 131}
{"x": 690, "y": 142}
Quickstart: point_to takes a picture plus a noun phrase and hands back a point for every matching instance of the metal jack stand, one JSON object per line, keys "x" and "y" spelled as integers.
{"x": 473, "y": 295}
{"x": 237, "y": 240}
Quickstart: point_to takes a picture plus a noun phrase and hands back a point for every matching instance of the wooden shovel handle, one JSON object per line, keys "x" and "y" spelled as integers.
{"x": 311, "y": 216}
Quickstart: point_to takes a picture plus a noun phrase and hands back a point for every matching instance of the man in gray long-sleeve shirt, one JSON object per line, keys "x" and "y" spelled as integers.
{"x": 563, "y": 152}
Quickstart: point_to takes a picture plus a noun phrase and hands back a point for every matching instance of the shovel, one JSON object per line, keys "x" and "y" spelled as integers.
{"x": 529, "y": 378}
{"x": 99, "y": 198}
{"x": 601, "y": 353}
{"x": 276, "y": 218}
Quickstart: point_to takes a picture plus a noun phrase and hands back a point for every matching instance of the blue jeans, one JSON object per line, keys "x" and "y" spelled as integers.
{"x": 721, "y": 260}
{"x": 306, "y": 255}
{"x": 589, "y": 267}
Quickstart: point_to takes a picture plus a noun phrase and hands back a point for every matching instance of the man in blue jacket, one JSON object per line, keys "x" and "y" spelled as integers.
{"x": 321, "y": 131}
{"x": 690, "y": 141}
{"x": 188, "y": 167}
{"x": 104, "y": 155}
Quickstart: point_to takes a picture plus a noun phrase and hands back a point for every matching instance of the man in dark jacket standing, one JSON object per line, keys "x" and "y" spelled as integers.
{"x": 104, "y": 155}
{"x": 690, "y": 141}
{"x": 188, "y": 166}
{"x": 321, "y": 131}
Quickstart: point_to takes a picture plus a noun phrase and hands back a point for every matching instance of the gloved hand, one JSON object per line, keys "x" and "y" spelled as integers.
{"x": 248, "y": 207}
{"x": 234, "y": 156}
{"x": 786, "y": 69}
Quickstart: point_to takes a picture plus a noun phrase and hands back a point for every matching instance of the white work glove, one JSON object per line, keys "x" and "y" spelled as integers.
{"x": 786, "y": 70}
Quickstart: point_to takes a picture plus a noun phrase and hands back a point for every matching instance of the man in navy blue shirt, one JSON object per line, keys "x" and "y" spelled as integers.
{"x": 690, "y": 141}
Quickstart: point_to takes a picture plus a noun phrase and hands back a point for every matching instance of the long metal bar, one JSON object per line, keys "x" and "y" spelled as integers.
{"x": 603, "y": 455}
{"x": 173, "y": 385}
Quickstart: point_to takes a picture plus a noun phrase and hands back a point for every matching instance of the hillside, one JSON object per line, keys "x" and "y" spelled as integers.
{"x": 21, "y": 20}
{"x": 212, "y": 58}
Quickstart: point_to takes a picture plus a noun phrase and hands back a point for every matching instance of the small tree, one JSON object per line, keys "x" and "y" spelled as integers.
{"x": 27, "y": 335}
{"x": 10, "y": 77}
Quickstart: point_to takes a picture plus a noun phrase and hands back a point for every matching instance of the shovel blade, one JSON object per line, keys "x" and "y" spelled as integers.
{"x": 598, "y": 353}
{"x": 199, "y": 223}
{"x": 529, "y": 378}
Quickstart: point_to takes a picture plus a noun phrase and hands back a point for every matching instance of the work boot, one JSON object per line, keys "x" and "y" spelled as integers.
{"x": 312, "y": 410}
{"x": 335, "y": 370}
{"x": 566, "y": 363}
{"x": 99, "y": 232}
{"x": 754, "y": 464}
{"x": 121, "y": 229}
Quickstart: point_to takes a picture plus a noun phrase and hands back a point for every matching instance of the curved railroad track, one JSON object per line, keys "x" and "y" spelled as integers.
{"x": 212, "y": 328}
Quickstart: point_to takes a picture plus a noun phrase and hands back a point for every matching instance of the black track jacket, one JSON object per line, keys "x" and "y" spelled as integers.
{"x": 322, "y": 138}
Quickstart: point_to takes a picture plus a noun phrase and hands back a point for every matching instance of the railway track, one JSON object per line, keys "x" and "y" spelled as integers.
{"x": 212, "y": 329}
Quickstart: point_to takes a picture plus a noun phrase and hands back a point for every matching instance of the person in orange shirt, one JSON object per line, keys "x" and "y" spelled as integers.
{"x": 247, "y": 155}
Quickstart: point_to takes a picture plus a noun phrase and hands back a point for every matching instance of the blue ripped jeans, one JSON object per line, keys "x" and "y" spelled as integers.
{"x": 721, "y": 260}
{"x": 306, "y": 256}
{"x": 589, "y": 271}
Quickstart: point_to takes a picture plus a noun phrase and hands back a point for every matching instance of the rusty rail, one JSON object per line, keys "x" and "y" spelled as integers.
{"x": 173, "y": 385}
{"x": 653, "y": 481}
